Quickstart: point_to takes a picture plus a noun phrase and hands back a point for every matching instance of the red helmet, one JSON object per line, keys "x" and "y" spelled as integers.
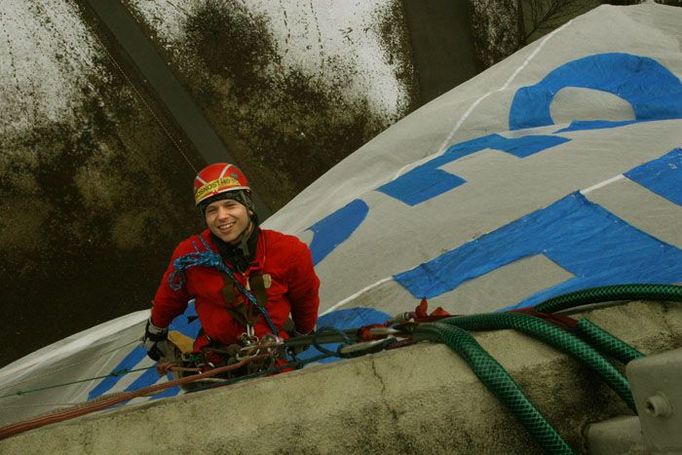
{"x": 218, "y": 178}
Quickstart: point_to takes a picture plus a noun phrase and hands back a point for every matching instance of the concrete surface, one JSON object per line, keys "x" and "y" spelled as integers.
{"x": 94, "y": 193}
{"x": 617, "y": 436}
{"x": 114, "y": 17}
{"x": 422, "y": 399}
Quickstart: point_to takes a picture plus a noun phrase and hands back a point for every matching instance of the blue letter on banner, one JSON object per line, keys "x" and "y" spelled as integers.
{"x": 427, "y": 181}
{"x": 662, "y": 176}
{"x": 334, "y": 229}
{"x": 578, "y": 235}
{"x": 651, "y": 89}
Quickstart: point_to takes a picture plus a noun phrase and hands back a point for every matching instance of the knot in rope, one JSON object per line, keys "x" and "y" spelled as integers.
{"x": 207, "y": 258}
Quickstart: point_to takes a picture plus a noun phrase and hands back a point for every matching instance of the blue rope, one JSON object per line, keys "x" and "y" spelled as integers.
{"x": 209, "y": 258}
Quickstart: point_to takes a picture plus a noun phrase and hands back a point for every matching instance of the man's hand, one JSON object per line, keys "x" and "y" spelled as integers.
{"x": 295, "y": 350}
{"x": 155, "y": 341}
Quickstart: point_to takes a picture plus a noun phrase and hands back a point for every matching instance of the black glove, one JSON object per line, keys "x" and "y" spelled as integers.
{"x": 155, "y": 341}
{"x": 295, "y": 350}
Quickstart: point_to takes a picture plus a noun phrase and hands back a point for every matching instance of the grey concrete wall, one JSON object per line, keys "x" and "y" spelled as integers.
{"x": 94, "y": 193}
{"x": 501, "y": 27}
{"x": 285, "y": 124}
{"x": 421, "y": 399}
{"x": 96, "y": 177}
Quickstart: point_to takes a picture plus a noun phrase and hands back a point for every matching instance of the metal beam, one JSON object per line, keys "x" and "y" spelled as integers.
{"x": 155, "y": 71}
{"x": 442, "y": 45}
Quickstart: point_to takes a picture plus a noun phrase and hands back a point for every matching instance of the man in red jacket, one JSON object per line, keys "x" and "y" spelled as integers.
{"x": 245, "y": 280}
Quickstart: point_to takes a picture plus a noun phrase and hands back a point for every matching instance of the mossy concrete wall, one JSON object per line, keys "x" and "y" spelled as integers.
{"x": 286, "y": 112}
{"x": 95, "y": 188}
{"x": 94, "y": 193}
{"x": 420, "y": 399}
{"x": 501, "y": 27}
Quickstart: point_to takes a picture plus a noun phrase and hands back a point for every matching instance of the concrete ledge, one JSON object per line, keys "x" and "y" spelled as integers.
{"x": 422, "y": 399}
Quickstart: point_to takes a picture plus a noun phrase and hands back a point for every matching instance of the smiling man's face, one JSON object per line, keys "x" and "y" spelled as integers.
{"x": 227, "y": 219}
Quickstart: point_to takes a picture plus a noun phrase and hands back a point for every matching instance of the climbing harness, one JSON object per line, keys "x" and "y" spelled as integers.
{"x": 209, "y": 258}
{"x": 253, "y": 356}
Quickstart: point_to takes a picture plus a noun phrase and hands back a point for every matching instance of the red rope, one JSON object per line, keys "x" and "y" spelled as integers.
{"x": 79, "y": 410}
{"x": 564, "y": 322}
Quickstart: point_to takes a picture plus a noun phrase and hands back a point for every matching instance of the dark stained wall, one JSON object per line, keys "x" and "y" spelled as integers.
{"x": 442, "y": 42}
{"x": 93, "y": 198}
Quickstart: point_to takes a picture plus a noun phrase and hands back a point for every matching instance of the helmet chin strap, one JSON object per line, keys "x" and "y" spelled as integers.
{"x": 243, "y": 239}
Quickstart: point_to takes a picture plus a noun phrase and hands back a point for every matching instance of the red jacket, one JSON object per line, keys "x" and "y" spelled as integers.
{"x": 292, "y": 287}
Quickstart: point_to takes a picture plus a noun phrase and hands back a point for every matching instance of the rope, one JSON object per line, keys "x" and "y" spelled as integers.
{"x": 209, "y": 258}
{"x": 450, "y": 331}
{"x": 345, "y": 341}
{"x": 103, "y": 403}
{"x": 296, "y": 364}
{"x": 115, "y": 373}
{"x": 108, "y": 401}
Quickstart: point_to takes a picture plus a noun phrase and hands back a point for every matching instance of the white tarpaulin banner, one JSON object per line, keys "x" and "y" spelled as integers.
{"x": 558, "y": 169}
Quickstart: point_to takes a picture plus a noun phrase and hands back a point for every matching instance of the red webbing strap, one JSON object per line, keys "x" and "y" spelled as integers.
{"x": 564, "y": 322}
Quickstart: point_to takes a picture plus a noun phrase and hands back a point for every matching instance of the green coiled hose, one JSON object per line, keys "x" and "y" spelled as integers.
{"x": 656, "y": 292}
{"x": 498, "y": 381}
{"x": 606, "y": 343}
{"x": 555, "y": 336}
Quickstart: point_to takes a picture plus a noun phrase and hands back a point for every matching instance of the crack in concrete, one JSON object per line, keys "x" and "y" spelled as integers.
{"x": 379, "y": 377}
{"x": 667, "y": 315}
{"x": 394, "y": 413}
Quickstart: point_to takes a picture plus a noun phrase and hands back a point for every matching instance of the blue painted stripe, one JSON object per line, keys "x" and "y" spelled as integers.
{"x": 427, "y": 181}
{"x": 662, "y": 176}
{"x": 138, "y": 354}
{"x": 421, "y": 184}
{"x": 652, "y": 90}
{"x": 594, "y": 245}
{"x": 128, "y": 363}
{"x": 149, "y": 377}
{"x": 336, "y": 228}
{"x": 580, "y": 125}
